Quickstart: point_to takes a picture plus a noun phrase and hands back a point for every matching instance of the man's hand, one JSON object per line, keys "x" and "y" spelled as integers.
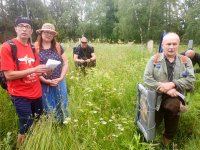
{"x": 41, "y": 69}
{"x": 165, "y": 87}
{"x": 81, "y": 60}
{"x": 172, "y": 93}
{"x": 87, "y": 60}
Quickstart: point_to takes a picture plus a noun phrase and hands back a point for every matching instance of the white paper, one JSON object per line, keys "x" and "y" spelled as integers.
{"x": 181, "y": 95}
{"x": 52, "y": 64}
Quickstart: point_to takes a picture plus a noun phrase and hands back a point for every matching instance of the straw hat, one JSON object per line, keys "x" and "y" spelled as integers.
{"x": 47, "y": 27}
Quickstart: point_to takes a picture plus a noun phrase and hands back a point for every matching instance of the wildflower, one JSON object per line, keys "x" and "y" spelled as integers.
{"x": 113, "y": 117}
{"x": 66, "y": 120}
{"x": 89, "y": 103}
{"x": 124, "y": 119}
{"x": 75, "y": 120}
{"x": 101, "y": 119}
{"x": 124, "y": 122}
{"x": 94, "y": 112}
{"x": 103, "y": 122}
{"x": 96, "y": 123}
{"x": 118, "y": 125}
{"x": 110, "y": 120}
{"x": 90, "y": 90}
{"x": 121, "y": 129}
{"x": 114, "y": 135}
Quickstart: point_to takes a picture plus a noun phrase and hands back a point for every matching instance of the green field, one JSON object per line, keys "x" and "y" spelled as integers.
{"x": 101, "y": 107}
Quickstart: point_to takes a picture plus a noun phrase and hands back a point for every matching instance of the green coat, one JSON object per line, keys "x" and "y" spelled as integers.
{"x": 153, "y": 75}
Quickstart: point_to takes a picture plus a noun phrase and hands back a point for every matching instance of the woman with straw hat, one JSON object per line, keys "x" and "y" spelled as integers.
{"x": 54, "y": 88}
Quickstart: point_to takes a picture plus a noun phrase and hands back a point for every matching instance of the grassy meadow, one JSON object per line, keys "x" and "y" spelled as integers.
{"x": 101, "y": 107}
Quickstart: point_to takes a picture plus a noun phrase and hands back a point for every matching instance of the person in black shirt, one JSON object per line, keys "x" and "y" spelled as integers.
{"x": 84, "y": 55}
{"x": 195, "y": 58}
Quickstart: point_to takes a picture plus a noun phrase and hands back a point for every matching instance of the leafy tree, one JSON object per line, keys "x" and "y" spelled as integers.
{"x": 193, "y": 23}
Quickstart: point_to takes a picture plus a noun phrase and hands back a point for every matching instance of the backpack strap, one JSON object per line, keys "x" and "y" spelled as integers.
{"x": 156, "y": 58}
{"x": 58, "y": 48}
{"x": 34, "y": 51}
{"x": 184, "y": 59}
{"x": 14, "y": 52}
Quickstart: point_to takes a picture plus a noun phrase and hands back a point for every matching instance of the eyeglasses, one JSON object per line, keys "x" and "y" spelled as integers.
{"x": 21, "y": 26}
{"x": 84, "y": 42}
{"x": 48, "y": 32}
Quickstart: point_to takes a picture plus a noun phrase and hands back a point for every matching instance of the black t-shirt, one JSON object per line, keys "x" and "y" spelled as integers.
{"x": 170, "y": 69}
{"x": 84, "y": 53}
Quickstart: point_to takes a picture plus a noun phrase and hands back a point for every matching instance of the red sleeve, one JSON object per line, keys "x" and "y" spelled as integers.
{"x": 7, "y": 62}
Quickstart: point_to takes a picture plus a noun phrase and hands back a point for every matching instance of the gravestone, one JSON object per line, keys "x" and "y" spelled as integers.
{"x": 190, "y": 43}
{"x": 150, "y": 45}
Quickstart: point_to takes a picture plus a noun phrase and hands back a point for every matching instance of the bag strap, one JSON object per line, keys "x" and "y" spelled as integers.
{"x": 183, "y": 58}
{"x": 14, "y": 52}
{"x": 157, "y": 56}
{"x": 58, "y": 48}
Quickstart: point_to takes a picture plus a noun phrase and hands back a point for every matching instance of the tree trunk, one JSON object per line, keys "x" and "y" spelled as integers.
{"x": 140, "y": 28}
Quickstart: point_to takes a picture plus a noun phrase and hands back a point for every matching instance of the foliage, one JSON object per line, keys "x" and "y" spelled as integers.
{"x": 106, "y": 20}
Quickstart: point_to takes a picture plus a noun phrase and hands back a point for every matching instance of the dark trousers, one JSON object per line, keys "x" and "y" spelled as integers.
{"x": 86, "y": 64}
{"x": 27, "y": 110}
{"x": 169, "y": 111}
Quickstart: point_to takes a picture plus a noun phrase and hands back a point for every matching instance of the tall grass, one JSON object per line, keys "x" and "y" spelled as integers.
{"x": 101, "y": 106}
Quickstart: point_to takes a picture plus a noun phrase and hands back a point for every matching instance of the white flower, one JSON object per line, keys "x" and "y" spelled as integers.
{"x": 90, "y": 90}
{"x": 89, "y": 103}
{"x": 75, "y": 120}
{"x": 122, "y": 129}
{"x": 118, "y": 125}
{"x": 103, "y": 122}
{"x": 124, "y": 122}
{"x": 101, "y": 119}
{"x": 94, "y": 112}
{"x": 113, "y": 117}
{"x": 114, "y": 135}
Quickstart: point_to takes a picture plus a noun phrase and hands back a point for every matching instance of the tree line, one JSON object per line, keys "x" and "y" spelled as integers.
{"x": 106, "y": 20}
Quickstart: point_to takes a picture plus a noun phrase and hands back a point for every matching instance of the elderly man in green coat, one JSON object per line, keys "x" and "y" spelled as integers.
{"x": 170, "y": 74}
